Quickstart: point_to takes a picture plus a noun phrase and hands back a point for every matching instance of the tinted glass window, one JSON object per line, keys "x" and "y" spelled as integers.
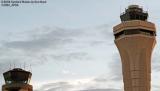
{"x": 135, "y": 31}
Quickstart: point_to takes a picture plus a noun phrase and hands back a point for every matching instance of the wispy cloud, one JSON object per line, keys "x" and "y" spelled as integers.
{"x": 116, "y": 67}
{"x": 78, "y": 85}
{"x": 101, "y": 90}
{"x": 52, "y": 44}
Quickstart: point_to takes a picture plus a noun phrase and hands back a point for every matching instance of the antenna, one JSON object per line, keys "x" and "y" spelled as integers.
{"x": 120, "y": 9}
{"x": 146, "y": 4}
{"x": 14, "y": 64}
{"x": 20, "y": 66}
{"x": 10, "y": 66}
{"x": 147, "y": 7}
{"x": 24, "y": 65}
{"x": 30, "y": 68}
{"x": 129, "y": 2}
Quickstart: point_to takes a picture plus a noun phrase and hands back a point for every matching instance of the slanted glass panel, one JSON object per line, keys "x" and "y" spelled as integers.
{"x": 14, "y": 90}
{"x": 8, "y": 82}
{"x": 135, "y": 31}
{"x": 147, "y": 32}
{"x": 131, "y": 31}
{"x": 16, "y": 77}
{"x": 119, "y": 34}
{"x": 132, "y": 16}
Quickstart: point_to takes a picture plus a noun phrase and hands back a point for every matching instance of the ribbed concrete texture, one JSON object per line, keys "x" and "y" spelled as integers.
{"x": 135, "y": 40}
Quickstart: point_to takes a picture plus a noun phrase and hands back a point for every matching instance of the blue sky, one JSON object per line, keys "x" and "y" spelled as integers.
{"x": 69, "y": 43}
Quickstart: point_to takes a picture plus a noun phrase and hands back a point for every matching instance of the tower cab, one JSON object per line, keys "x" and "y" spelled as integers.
{"x": 134, "y": 21}
{"x": 17, "y": 79}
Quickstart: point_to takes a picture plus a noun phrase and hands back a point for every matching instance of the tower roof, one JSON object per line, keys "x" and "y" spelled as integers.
{"x": 133, "y": 6}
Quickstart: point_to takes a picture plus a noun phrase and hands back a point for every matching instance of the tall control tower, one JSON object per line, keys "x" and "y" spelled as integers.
{"x": 17, "y": 80}
{"x": 135, "y": 40}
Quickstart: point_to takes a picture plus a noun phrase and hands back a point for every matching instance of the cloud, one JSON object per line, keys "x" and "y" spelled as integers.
{"x": 49, "y": 38}
{"x": 155, "y": 59}
{"x": 101, "y": 90}
{"x": 52, "y": 44}
{"x": 47, "y": 44}
{"x": 116, "y": 68}
{"x": 63, "y": 86}
{"x": 78, "y": 85}
{"x": 101, "y": 79}
{"x": 58, "y": 44}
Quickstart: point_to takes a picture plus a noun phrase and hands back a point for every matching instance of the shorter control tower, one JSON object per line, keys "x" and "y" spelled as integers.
{"x": 17, "y": 79}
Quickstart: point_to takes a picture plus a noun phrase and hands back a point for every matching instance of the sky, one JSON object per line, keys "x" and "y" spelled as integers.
{"x": 68, "y": 45}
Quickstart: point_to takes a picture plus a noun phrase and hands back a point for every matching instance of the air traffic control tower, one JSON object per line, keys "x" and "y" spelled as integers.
{"x": 135, "y": 40}
{"x": 17, "y": 80}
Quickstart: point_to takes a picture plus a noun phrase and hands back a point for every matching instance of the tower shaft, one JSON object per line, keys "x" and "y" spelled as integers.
{"x": 135, "y": 55}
